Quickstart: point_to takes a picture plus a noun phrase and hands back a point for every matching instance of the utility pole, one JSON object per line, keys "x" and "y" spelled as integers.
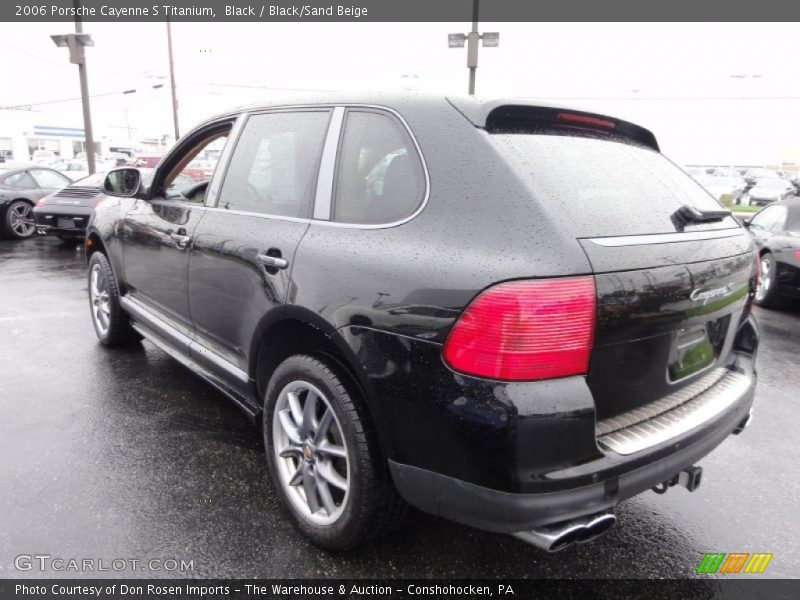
{"x": 77, "y": 42}
{"x": 172, "y": 81}
{"x": 490, "y": 40}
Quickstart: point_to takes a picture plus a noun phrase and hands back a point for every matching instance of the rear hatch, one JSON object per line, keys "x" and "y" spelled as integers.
{"x": 671, "y": 292}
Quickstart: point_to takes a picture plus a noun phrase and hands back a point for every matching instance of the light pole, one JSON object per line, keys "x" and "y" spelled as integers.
{"x": 172, "y": 81}
{"x": 77, "y": 42}
{"x": 489, "y": 40}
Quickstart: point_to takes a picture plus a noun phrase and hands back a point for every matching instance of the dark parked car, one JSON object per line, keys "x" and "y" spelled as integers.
{"x": 777, "y": 233}
{"x": 20, "y": 189}
{"x": 66, "y": 213}
{"x": 523, "y": 317}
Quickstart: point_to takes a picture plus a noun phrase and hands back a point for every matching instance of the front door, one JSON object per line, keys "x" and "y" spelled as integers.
{"x": 158, "y": 233}
{"x": 243, "y": 249}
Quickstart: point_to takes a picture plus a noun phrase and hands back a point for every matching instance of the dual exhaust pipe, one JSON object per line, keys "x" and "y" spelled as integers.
{"x": 559, "y": 536}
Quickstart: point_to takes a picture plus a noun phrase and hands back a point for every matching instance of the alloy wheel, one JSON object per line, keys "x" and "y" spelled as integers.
{"x": 98, "y": 296}
{"x": 311, "y": 453}
{"x": 20, "y": 219}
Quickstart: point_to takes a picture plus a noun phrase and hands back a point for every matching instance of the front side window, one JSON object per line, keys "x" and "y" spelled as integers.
{"x": 771, "y": 218}
{"x": 379, "y": 177}
{"x": 273, "y": 168}
{"x": 766, "y": 219}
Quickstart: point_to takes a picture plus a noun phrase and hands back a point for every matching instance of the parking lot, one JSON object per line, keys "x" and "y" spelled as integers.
{"x": 117, "y": 454}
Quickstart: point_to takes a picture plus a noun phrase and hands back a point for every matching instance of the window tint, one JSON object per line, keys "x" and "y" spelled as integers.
{"x": 49, "y": 179}
{"x": 379, "y": 177}
{"x": 21, "y": 180}
{"x": 274, "y": 166}
{"x": 603, "y": 188}
{"x": 771, "y": 218}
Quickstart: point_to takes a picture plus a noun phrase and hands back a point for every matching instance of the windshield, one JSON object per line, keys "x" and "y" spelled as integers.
{"x": 604, "y": 188}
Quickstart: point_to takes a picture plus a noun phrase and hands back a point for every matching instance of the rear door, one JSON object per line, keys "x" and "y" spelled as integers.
{"x": 671, "y": 294}
{"x": 243, "y": 249}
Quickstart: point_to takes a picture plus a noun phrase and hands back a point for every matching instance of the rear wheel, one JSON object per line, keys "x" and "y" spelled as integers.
{"x": 767, "y": 294}
{"x": 324, "y": 456}
{"x": 110, "y": 322}
{"x": 18, "y": 220}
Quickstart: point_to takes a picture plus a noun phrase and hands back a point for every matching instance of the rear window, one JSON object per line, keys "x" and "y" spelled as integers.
{"x": 604, "y": 188}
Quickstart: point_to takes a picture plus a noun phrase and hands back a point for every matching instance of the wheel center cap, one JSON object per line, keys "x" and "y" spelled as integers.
{"x": 307, "y": 453}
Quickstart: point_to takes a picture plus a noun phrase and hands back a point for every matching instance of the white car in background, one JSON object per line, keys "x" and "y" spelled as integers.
{"x": 727, "y": 190}
{"x": 768, "y": 190}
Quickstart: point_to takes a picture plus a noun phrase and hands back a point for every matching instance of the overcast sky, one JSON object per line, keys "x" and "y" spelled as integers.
{"x": 712, "y": 93}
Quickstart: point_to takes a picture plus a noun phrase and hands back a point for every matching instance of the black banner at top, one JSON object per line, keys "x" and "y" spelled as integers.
{"x": 397, "y": 10}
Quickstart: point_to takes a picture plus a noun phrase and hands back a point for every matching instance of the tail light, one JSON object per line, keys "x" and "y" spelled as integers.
{"x": 526, "y": 330}
{"x": 797, "y": 254}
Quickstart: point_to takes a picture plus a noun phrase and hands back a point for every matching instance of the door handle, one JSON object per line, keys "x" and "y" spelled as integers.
{"x": 274, "y": 262}
{"x": 181, "y": 241}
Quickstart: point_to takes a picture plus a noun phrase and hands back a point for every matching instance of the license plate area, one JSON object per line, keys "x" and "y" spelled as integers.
{"x": 695, "y": 349}
{"x": 66, "y": 223}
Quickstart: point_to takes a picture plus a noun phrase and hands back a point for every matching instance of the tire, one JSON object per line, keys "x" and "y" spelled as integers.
{"x": 354, "y": 499}
{"x": 13, "y": 220}
{"x": 767, "y": 294}
{"x": 110, "y": 322}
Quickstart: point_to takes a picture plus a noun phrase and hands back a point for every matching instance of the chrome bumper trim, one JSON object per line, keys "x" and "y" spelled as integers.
{"x": 674, "y": 414}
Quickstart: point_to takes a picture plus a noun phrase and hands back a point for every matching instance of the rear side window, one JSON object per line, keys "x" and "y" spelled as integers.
{"x": 379, "y": 177}
{"x": 22, "y": 180}
{"x": 603, "y": 188}
{"x": 49, "y": 179}
{"x": 274, "y": 166}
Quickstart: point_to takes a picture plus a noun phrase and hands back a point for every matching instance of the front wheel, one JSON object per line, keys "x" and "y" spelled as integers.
{"x": 324, "y": 456}
{"x": 110, "y": 322}
{"x": 767, "y": 294}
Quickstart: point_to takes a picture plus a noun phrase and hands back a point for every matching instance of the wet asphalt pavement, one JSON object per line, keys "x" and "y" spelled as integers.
{"x": 125, "y": 454}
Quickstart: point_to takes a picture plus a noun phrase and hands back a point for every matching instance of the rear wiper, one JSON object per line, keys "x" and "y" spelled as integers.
{"x": 689, "y": 214}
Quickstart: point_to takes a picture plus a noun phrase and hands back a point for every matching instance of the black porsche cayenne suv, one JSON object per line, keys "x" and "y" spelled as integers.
{"x": 511, "y": 315}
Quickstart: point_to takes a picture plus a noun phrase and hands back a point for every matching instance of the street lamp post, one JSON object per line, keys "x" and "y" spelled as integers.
{"x": 489, "y": 40}
{"x": 77, "y": 42}
{"x": 172, "y": 81}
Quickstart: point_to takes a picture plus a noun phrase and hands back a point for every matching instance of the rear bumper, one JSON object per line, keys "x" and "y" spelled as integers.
{"x": 615, "y": 478}
{"x": 53, "y": 224}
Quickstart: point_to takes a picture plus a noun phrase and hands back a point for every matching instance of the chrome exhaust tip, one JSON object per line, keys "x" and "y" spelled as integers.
{"x": 556, "y": 537}
{"x": 597, "y": 527}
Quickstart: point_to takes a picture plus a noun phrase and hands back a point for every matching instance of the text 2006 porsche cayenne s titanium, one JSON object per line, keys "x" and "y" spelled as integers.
{"x": 511, "y": 315}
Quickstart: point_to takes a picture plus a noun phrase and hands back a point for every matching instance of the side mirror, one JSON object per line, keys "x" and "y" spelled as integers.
{"x": 123, "y": 183}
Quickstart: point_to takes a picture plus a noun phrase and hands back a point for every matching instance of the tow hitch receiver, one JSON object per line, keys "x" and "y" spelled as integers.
{"x": 688, "y": 478}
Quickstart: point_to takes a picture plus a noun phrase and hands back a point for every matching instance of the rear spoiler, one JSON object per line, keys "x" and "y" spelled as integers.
{"x": 515, "y": 117}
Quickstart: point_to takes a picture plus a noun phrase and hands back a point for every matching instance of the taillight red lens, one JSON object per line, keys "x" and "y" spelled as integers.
{"x": 526, "y": 330}
{"x": 797, "y": 254}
